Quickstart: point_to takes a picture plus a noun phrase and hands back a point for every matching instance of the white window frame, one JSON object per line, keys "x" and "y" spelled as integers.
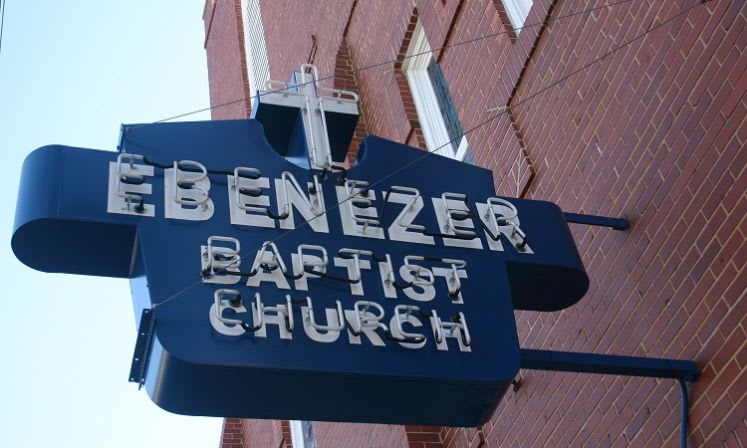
{"x": 298, "y": 435}
{"x": 257, "y": 63}
{"x": 415, "y": 67}
{"x": 518, "y": 11}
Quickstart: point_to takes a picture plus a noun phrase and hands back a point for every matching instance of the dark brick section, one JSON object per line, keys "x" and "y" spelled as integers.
{"x": 425, "y": 436}
{"x": 232, "y": 436}
{"x": 250, "y": 433}
{"x": 286, "y": 441}
{"x": 655, "y": 132}
{"x": 505, "y": 20}
{"x": 345, "y": 79}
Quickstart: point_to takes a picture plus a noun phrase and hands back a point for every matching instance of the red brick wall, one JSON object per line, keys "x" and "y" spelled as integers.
{"x": 336, "y": 435}
{"x": 655, "y": 133}
{"x": 424, "y": 436}
{"x": 288, "y": 46}
{"x": 232, "y": 436}
{"x": 346, "y": 79}
{"x": 266, "y": 433}
{"x": 249, "y": 433}
{"x": 226, "y": 59}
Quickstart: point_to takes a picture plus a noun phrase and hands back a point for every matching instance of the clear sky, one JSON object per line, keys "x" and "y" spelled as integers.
{"x": 71, "y": 72}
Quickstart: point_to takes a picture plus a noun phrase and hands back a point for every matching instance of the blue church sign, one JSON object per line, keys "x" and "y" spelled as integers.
{"x": 382, "y": 293}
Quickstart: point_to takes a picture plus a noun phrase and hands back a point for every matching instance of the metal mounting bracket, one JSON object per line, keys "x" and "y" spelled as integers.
{"x": 595, "y": 220}
{"x": 681, "y": 370}
{"x": 608, "y": 364}
{"x": 142, "y": 347}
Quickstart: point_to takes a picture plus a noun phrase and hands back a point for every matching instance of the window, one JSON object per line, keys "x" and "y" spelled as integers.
{"x": 430, "y": 92}
{"x": 517, "y": 11}
{"x": 258, "y": 66}
{"x": 302, "y": 434}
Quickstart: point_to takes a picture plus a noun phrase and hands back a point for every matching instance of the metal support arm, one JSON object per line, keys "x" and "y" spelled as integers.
{"x": 600, "y": 221}
{"x": 608, "y": 364}
{"x": 680, "y": 370}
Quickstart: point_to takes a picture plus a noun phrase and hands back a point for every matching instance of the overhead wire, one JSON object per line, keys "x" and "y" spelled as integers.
{"x": 387, "y": 62}
{"x": 447, "y": 144}
{"x": 2, "y": 22}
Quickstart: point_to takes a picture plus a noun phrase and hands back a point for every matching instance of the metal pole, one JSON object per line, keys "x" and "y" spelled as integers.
{"x": 608, "y": 364}
{"x": 683, "y": 431}
{"x": 600, "y": 221}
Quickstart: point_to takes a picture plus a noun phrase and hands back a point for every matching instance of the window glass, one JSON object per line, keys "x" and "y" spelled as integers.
{"x": 434, "y": 104}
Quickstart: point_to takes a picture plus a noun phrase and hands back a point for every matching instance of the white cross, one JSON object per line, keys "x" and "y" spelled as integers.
{"x": 314, "y": 102}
